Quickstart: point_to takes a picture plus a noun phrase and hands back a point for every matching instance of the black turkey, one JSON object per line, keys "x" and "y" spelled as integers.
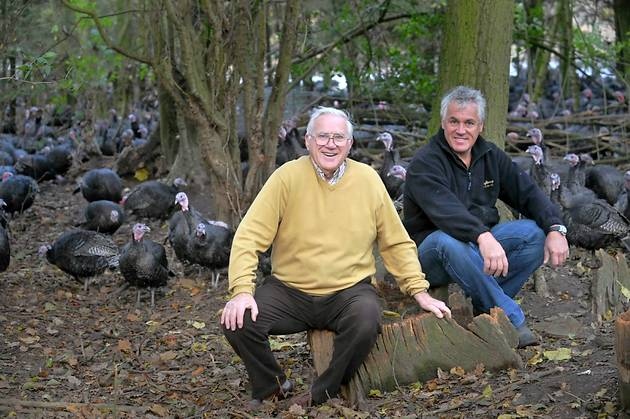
{"x": 390, "y": 154}
{"x": 5, "y": 247}
{"x": 36, "y": 166}
{"x": 576, "y": 178}
{"x": 99, "y": 184}
{"x": 592, "y": 223}
{"x": 4, "y": 220}
{"x": 18, "y": 192}
{"x": 394, "y": 181}
{"x": 538, "y": 171}
{"x": 182, "y": 226}
{"x": 82, "y": 254}
{"x": 210, "y": 247}
{"x": 60, "y": 158}
{"x": 608, "y": 183}
{"x": 153, "y": 199}
{"x": 103, "y": 216}
{"x": 143, "y": 262}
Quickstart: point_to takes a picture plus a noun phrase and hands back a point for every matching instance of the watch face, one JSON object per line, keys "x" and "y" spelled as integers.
{"x": 559, "y": 228}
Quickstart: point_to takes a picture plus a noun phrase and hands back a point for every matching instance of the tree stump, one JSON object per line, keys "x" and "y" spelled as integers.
{"x": 622, "y": 349}
{"x": 413, "y": 349}
{"x": 609, "y": 280}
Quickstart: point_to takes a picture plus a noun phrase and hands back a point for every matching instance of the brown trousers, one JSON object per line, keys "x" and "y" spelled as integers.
{"x": 354, "y": 314}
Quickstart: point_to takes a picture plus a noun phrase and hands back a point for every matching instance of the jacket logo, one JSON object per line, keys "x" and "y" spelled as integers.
{"x": 488, "y": 184}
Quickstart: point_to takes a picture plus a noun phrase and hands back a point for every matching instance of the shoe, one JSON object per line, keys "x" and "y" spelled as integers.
{"x": 283, "y": 392}
{"x": 525, "y": 336}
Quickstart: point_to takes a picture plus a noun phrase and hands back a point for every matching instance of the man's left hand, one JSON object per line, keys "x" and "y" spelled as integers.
{"x": 556, "y": 248}
{"x": 433, "y": 305}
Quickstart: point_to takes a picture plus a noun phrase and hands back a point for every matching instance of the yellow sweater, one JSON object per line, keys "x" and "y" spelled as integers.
{"x": 323, "y": 234}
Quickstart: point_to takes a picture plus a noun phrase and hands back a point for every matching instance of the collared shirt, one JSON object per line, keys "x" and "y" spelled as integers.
{"x": 335, "y": 177}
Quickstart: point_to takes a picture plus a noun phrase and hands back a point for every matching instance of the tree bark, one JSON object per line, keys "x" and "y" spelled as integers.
{"x": 472, "y": 54}
{"x": 607, "y": 283}
{"x": 622, "y": 350}
{"x": 622, "y": 29}
{"x": 413, "y": 349}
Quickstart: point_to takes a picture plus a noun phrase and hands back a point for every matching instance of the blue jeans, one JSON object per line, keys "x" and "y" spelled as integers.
{"x": 445, "y": 259}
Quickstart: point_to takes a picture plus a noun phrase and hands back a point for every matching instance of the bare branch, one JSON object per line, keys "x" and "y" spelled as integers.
{"x": 101, "y": 30}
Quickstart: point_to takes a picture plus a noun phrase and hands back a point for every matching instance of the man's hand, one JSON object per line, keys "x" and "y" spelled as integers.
{"x": 495, "y": 261}
{"x": 433, "y": 305}
{"x": 234, "y": 310}
{"x": 556, "y": 248}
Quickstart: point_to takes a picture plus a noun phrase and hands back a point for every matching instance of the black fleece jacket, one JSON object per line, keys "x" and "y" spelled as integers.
{"x": 441, "y": 193}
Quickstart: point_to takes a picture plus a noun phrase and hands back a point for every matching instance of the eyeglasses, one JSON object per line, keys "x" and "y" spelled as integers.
{"x": 324, "y": 137}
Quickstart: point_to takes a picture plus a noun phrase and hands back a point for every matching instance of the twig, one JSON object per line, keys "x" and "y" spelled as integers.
{"x": 16, "y": 403}
{"x": 511, "y": 386}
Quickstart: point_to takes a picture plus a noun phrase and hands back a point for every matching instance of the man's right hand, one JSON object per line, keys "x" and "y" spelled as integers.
{"x": 495, "y": 261}
{"x": 234, "y": 310}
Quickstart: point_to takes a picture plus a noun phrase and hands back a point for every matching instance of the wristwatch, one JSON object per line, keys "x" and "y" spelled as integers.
{"x": 559, "y": 228}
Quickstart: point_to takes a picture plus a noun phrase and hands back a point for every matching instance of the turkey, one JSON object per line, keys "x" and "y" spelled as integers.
{"x": 36, "y": 166}
{"x": 592, "y": 223}
{"x": 182, "y": 225}
{"x": 60, "y": 158}
{"x": 608, "y": 183}
{"x": 4, "y": 221}
{"x": 210, "y": 247}
{"x": 103, "y": 216}
{"x": 5, "y": 248}
{"x": 153, "y": 199}
{"x": 82, "y": 254}
{"x": 395, "y": 181}
{"x": 576, "y": 178}
{"x": 100, "y": 184}
{"x": 18, "y": 192}
{"x": 538, "y": 171}
{"x": 390, "y": 154}
{"x": 143, "y": 262}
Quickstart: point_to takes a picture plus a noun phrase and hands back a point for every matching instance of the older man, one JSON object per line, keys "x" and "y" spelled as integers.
{"x": 322, "y": 213}
{"x": 450, "y": 211}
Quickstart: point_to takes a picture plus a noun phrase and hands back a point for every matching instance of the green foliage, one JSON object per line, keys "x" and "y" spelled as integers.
{"x": 593, "y": 51}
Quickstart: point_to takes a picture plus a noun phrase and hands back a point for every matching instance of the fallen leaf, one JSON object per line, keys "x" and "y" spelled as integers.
{"x": 391, "y": 314}
{"x": 561, "y": 354}
{"x": 196, "y": 324}
{"x": 198, "y": 371}
{"x": 458, "y": 371}
{"x": 170, "y": 340}
{"x": 375, "y": 393}
{"x": 487, "y": 392}
{"x": 141, "y": 174}
{"x": 168, "y": 356}
{"x": 159, "y": 410}
{"x": 124, "y": 345}
{"x": 199, "y": 347}
{"x": 29, "y": 340}
{"x": 536, "y": 359}
{"x": 132, "y": 317}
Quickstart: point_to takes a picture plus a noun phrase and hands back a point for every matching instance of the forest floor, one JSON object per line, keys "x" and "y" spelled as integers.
{"x": 68, "y": 353}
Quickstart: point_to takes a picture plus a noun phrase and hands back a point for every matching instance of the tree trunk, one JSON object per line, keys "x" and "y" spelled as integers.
{"x": 622, "y": 349}
{"x": 622, "y": 29}
{"x": 472, "y": 54}
{"x": 413, "y": 349}
{"x": 607, "y": 285}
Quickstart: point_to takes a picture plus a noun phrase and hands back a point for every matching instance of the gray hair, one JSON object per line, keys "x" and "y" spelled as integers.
{"x": 463, "y": 95}
{"x": 322, "y": 110}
